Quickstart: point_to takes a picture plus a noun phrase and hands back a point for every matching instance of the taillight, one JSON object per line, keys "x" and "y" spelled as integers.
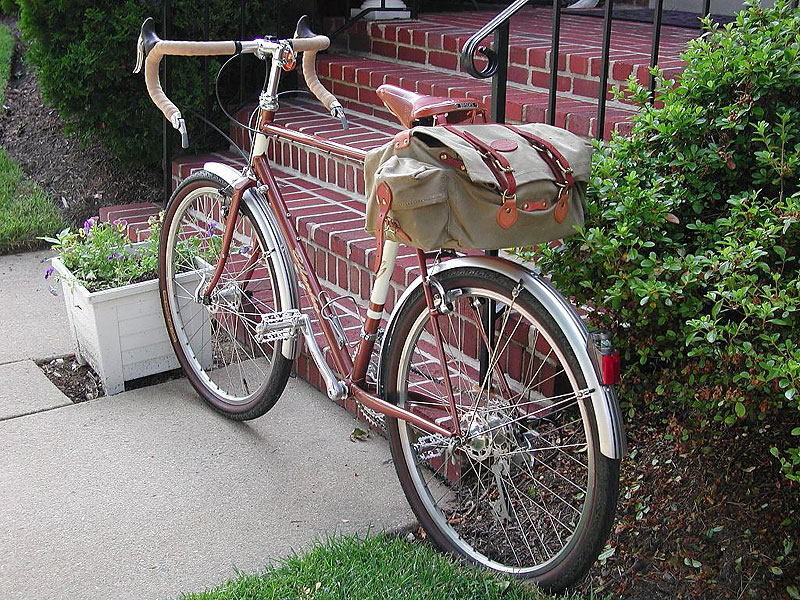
{"x": 604, "y": 357}
{"x": 609, "y": 368}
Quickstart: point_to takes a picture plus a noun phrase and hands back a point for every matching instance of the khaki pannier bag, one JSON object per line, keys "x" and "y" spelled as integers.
{"x": 477, "y": 187}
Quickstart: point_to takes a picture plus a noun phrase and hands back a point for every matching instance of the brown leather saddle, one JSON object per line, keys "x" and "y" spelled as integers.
{"x": 418, "y": 109}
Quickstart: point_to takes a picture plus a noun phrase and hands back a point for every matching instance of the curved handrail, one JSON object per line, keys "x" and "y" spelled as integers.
{"x": 472, "y": 47}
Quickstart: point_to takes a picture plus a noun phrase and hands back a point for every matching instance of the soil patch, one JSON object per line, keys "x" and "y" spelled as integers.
{"x": 702, "y": 516}
{"x": 77, "y": 382}
{"x": 80, "y": 383}
{"x": 80, "y": 176}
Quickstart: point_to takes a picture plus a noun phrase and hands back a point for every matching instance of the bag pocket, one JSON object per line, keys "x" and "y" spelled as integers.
{"x": 419, "y": 202}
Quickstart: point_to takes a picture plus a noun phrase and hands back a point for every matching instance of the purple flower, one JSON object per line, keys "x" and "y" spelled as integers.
{"x": 87, "y": 224}
{"x": 212, "y": 225}
{"x": 48, "y": 273}
{"x": 114, "y": 256}
{"x": 52, "y": 290}
{"x": 245, "y": 250}
{"x": 120, "y": 222}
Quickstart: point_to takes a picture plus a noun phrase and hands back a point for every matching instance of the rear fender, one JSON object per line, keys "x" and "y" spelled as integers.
{"x": 604, "y": 400}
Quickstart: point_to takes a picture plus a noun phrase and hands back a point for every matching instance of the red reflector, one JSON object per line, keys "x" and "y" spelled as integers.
{"x": 610, "y": 368}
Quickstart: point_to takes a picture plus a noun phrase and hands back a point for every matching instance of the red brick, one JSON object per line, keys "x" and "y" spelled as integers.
{"x": 588, "y": 88}
{"x": 416, "y": 55}
{"x": 386, "y": 49}
{"x": 579, "y": 65}
{"x": 542, "y": 80}
{"x": 444, "y": 60}
{"x": 518, "y": 55}
{"x": 518, "y": 74}
{"x": 389, "y": 33}
{"x": 620, "y": 71}
{"x": 344, "y": 90}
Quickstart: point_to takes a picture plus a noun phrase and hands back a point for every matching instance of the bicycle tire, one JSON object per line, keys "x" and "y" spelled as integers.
{"x": 483, "y": 514}
{"x": 192, "y": 230}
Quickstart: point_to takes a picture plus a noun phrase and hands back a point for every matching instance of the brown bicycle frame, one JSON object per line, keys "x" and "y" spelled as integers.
{"x": 353, "y": 371}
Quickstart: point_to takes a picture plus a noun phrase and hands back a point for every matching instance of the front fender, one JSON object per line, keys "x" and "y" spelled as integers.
{"x": 284, "y": 269}
{"x": 604, "y": 400}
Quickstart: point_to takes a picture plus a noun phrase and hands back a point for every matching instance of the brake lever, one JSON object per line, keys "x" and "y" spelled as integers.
{"x": 179, "y": 124}
{"x": 337, "y": 112}
{"x": 139, "y": 54}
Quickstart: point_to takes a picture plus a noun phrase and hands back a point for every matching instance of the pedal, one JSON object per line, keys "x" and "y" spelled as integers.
{"x": 278, "y": 326}
{"x": 431, "y": 446}
{"x": 375, "y": 419}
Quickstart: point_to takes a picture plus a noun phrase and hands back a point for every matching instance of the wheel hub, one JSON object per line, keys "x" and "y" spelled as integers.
{"x": 486, "y": 434}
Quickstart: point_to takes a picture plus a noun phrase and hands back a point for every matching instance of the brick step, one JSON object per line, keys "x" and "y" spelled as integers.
{"x": 353, "y": 80}
{"x": 436, "y": 40}
{"x": 309, "y": 116}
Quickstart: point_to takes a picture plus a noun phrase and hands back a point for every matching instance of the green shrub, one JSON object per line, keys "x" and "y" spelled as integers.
{"x": 9, "y": 7}
{"x": 83, "y": 52}
{"x": 690, "y": 249}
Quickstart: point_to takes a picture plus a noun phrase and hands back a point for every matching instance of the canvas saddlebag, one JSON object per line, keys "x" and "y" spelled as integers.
{"x": 477, "y": 187}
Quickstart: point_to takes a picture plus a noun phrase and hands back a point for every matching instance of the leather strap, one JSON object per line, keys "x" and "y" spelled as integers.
{"x": 384, "y": 194}
{"x": 558, "y": 164}
{"x": 502, "y": 171}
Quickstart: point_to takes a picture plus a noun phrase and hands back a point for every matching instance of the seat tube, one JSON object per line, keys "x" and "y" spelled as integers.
{"x": 435, "y": 315}
{"x": 377, "y": 301}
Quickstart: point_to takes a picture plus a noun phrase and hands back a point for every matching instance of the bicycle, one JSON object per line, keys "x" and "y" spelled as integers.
{"x": 505, "y": 431}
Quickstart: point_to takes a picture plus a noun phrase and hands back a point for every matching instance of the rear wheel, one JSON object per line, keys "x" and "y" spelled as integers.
{"x": 525, "y": 490}
{"x": 220, "y": 341}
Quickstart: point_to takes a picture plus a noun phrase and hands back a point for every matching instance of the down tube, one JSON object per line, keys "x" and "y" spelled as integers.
{"x": 342, "y": 361}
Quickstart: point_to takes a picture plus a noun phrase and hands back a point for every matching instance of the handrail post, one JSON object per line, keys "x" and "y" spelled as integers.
{"x": 551, "y": 97}
{"x": 500, "y": 78}
{"x": 601, "y": 104}
{"x": 654, "y": 48}
{"x": 499, "y": 95}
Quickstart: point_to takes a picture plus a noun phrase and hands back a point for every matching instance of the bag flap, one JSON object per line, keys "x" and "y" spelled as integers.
{"x": 525, "y": 160}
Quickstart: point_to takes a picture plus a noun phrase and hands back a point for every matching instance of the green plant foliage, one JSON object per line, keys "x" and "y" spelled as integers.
{"x": 9, "y": 7}
{"x": 100, "y": 257}
{"x": 84, "y": 52}
{"x": 690, "y": 249}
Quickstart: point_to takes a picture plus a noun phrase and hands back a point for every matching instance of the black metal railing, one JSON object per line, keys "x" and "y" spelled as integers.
{"x": 497, "y": 57}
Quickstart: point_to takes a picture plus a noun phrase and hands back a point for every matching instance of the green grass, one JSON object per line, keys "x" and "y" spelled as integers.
{"x": 6, "y": 52}
{"x": 375, "y": 567}
{"x": 26, "y": 211}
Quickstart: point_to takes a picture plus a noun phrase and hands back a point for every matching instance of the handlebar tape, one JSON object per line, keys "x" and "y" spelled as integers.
{"x": 179, "y": 48}
{"x": 313, "y": 82}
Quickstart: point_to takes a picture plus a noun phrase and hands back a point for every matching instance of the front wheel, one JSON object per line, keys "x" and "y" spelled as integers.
{"x": 525, "y": 490}
{"x": 220, "y": 341}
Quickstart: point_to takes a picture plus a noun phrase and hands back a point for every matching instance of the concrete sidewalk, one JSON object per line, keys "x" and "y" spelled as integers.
{"x": 151, "y": 493}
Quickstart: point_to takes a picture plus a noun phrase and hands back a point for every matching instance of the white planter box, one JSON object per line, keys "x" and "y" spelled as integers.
{"x": 121, "y": 332}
